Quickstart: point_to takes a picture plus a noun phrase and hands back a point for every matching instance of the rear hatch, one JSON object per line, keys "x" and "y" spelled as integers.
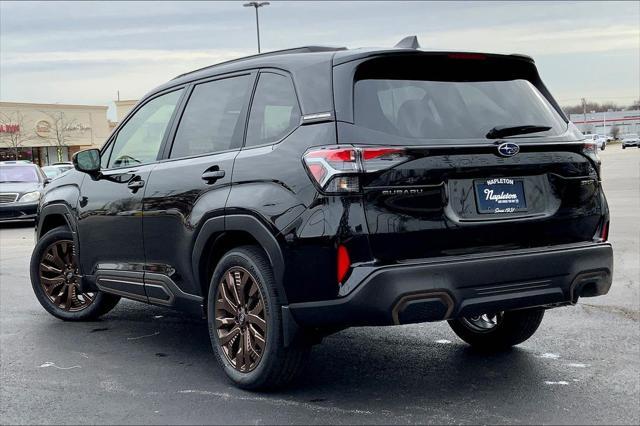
{"x": 466, "y": 153}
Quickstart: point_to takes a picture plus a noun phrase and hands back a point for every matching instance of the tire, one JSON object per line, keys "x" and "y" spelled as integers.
{"x": 272, "y": 366}
{"x": 71, "y": 305}
{"x": 624, "y": 147}
{"x": 512, "y": 328}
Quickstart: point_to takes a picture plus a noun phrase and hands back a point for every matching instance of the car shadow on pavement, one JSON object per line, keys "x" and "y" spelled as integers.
{"x": 355, "y": 368}
{"x": 416, "y": 366}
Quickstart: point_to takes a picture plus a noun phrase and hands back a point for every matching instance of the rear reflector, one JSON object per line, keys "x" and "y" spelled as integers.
{"x": 344, "y": 263}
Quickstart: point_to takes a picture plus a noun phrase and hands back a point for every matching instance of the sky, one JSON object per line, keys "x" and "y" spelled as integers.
{"x": 85, "y": 52}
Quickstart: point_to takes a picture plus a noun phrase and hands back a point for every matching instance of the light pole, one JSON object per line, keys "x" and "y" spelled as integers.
{"x": 256, "y": 5}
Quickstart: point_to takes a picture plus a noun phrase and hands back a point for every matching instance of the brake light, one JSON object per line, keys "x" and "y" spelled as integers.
{"x": 468, "y": 56}
{"x": 344, "y": 263}
{"x": 338, "y": 169}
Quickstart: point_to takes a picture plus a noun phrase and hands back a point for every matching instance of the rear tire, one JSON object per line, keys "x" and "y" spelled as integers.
{"x": 55, "y": 280}
{"x": 509, "y": 329}
{"x": 245, "y": 312}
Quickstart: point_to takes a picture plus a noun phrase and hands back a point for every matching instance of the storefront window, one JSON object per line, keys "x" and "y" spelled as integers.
{"x": 28, "y": 154}
{"x": 56, "y": 154}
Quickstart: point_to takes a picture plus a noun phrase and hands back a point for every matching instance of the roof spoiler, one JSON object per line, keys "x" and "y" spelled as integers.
{"x": 409, "y": 42}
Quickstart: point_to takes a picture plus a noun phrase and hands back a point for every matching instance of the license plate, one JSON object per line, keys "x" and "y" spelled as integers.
{"x": 500, "y": 195}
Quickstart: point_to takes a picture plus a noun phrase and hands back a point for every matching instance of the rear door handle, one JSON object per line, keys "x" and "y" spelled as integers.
{"x": 212, "y": 176}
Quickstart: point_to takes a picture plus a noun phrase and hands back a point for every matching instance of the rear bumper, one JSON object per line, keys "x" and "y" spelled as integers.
{"x": 440, "y": 289}
{"x": 18, "y": 211}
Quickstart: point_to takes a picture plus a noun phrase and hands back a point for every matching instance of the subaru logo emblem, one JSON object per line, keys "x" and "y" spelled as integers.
{"x": 508, "y": 149}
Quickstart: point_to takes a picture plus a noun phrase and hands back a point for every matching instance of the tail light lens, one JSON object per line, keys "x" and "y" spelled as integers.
{"x": 338, "y": 169}
{"x": 590, "y": 148}
{"x": 603, "y": 232}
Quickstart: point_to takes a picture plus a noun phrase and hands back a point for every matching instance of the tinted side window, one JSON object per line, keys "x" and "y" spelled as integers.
{"x": 211, "y": 117}
{"x": 138, "y": 142}
{"x": 274, "y": 111}
{"x": 104, "y": 157}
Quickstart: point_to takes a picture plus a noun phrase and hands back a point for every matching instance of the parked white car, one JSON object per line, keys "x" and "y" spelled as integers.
{"x": 600, "y": 140}
{"x": 630, "y": 140}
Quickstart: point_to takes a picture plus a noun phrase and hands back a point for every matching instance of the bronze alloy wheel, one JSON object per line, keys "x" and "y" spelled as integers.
{"x": 241, "y": 323}
{"x": 59, "y": 278}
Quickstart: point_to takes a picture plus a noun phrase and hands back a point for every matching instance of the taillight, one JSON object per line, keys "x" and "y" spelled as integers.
{"x": 338, "y": 169}
{"x": 603, "y": 232}
{"x": 590, "y": 148}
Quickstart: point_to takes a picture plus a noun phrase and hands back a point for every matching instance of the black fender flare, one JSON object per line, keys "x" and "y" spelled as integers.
{"x": 56, "y": 209}
{"x": 64, "y": 210}
{"x": 251, "y": 225}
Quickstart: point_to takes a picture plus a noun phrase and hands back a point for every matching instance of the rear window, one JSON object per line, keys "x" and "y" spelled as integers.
{"x": 467, "y": 107}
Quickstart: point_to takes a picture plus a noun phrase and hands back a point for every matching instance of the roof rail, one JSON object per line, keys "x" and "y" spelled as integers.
{"x": 303, "y": 49}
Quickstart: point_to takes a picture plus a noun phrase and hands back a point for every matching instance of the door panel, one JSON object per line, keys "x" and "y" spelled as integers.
{"x": 110, "y": 205}
{"x": 194, "y": 183}
{"x": 110, "y": 220}
{"x": 177, "y": 201}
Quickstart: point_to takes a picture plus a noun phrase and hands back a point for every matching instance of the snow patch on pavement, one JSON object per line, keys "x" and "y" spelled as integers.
{"x": 549, "y": 355}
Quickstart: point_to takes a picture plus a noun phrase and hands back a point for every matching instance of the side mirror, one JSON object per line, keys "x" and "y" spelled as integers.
{"x": 87, "y": 161}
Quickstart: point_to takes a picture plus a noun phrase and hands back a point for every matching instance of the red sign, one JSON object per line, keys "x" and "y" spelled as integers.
{"x": 9, "y": 128}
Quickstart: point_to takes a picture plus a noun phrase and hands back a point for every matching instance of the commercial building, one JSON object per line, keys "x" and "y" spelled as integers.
{"x": 123, "y": 107}
{"x": 601, "y": 123}
{"x": 51, "y": 133}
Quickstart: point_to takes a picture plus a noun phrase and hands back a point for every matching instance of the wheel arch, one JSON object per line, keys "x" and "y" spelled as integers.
{"x": 220, "y": 234}
{"x": 52, "y": 216}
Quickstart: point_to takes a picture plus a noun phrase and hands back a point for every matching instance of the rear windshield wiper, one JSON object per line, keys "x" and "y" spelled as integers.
{"x": 504, "y": 131}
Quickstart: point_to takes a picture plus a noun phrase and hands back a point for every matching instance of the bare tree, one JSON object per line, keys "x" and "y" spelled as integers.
{"x": 615, "y": 132}
{"x": 14, "y": 131}
{"x": 62, "y": 131}
{"x": 591, "y": 106}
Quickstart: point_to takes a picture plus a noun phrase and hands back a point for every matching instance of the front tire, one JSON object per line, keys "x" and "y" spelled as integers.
{"x": 55, "y": 280}
{"x": 499, "y": 331}
{"x": 245, "y": 323}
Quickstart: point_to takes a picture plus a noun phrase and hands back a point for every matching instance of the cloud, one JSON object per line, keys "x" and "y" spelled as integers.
{"x": 85, "y": 51}
{"x": 121, "y": 56}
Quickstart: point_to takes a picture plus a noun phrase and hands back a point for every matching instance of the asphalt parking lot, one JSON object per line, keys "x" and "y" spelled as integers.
{"x": 143, "y": 364}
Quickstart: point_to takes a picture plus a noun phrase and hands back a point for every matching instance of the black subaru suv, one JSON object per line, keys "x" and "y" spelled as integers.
{"x": 289, "y": 195}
